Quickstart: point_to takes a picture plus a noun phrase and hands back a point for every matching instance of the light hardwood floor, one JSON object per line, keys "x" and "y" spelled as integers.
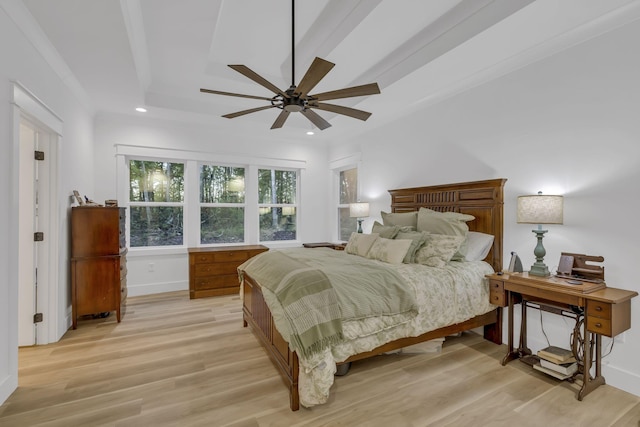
{"x": 179, "y": 362}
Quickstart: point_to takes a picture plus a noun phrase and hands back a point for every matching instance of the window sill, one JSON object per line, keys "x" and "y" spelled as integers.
{"x": 157, "y": 251}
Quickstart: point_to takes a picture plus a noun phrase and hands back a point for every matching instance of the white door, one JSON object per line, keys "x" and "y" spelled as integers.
{"x": 32, "y": 265}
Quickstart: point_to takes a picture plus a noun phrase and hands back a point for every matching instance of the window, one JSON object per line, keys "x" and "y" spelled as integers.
{"x": 180, "y": 199}
{"x": 348, "y": 188}
{"x": 221, "y": 204}
{"x": 277, "y": 193}
{"x": 156, "y": 201}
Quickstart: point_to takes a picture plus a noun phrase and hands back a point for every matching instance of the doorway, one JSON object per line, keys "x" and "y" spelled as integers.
{"x": 36, "y": 129}
{"x": 37, "y": 240}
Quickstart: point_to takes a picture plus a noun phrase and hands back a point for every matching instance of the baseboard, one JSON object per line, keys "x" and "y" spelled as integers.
{"x": 156, "y": 288}
{"x": 622, "y": 379}
{"x": 7, "y": 386}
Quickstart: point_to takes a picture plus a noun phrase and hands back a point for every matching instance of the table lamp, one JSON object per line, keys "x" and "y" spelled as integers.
{"x": 359, "y": 211}
{"x": 540, "y": 209}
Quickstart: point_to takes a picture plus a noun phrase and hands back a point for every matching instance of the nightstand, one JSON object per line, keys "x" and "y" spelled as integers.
{"x": 607, "y": 312}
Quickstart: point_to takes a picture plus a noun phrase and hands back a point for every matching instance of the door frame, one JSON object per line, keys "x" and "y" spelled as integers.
{"x": 26, "y": 106}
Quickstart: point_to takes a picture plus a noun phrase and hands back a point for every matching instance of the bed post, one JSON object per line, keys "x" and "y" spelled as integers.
{"x": 493, "y": 332}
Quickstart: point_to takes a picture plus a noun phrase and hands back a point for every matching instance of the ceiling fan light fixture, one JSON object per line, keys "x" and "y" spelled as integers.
{"x": 293, "y": 108}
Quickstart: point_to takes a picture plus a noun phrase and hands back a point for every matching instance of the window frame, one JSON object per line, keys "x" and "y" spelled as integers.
{"x": 295, "y": 205}
{"x": 339, "y": 205}
{"x": 130, "y": 204}
{"x": 191, "y": 214}
{"x": 201, "y": 204}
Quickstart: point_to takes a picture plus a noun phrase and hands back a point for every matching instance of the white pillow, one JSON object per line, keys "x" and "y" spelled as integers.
{"x": 478, "y": 246}
{"x": 359, "y": 244}
{"x": 389, "y": 250}
{"x": 438, "y": 249}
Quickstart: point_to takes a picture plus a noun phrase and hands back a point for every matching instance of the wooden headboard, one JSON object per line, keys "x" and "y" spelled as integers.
{"x": 482, "y": 199}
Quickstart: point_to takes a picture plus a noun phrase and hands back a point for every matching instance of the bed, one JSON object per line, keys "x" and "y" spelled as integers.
{"x": 481, "y": 199}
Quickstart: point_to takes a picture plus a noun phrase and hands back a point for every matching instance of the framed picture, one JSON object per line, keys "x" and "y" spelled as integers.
{"x": 78, "y": 197}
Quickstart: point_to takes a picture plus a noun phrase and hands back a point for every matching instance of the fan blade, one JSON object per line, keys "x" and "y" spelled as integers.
{"x": 243, "y": 112}
{"x": 282, "y": 117}
{"x": 345, "y": 111}
{"x": 314, "y": 118}
{"x": 368, "y": 89}
{"x": 248, "y": 72}
{"x": 318, "y": 69}
{"x": 217, "y": 92}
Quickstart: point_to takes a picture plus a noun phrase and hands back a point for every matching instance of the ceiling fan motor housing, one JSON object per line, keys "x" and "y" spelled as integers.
{"x": 293, "y": 104}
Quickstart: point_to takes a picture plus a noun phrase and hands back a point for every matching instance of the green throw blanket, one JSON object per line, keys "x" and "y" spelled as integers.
{"x": 310, "y": 292}
{"x": 307, "y": 299}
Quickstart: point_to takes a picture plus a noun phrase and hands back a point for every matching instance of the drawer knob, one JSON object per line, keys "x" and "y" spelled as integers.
{"x": 598, "y": 308}
{"x": 598, "y": 325}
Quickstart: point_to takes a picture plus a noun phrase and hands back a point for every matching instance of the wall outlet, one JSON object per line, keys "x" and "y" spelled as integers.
{"x": 620, "y": 338}
{"x": 152, "y": 267}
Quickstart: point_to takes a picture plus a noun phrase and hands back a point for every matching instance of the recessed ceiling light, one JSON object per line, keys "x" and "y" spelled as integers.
{"x": 141, "y": 110}
{"x": 309, "y": 132}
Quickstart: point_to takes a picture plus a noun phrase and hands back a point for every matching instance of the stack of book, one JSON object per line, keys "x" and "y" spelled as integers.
{"x": 557, "y": 362}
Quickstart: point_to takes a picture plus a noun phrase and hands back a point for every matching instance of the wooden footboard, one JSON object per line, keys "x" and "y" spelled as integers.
{"x": 256, "y": 314}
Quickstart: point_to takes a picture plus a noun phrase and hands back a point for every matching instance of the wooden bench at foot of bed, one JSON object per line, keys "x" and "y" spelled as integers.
{"x": 482, "y": 199}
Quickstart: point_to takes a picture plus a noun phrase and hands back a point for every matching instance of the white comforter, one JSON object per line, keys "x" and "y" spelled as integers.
{"x": 445, "y": 296}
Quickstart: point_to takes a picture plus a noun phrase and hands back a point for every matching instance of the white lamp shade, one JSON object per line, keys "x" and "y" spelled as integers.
{"x": 540, "y": 209}
{"x": 359, "y": 210}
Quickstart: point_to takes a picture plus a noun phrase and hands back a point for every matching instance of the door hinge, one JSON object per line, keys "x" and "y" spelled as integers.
{"x": 39, "y": 155}
{"x": 38, "y": 236}
{"x": 37, "y": 318}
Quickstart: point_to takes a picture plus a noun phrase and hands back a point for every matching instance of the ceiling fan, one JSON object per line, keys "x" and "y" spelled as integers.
{"x": 297, "y": 98}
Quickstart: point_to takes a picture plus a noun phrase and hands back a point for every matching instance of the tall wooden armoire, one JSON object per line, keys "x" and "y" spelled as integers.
{"x": 98, "y": 261}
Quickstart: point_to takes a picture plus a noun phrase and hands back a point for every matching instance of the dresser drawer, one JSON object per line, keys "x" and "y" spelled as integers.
{"x": 599, "y": 309}
{"x": 599, "y": 325}
{"x": 217, "y": 282}
{"x": 230, "y": 256}
{"x": 496, "y": 293}
{"x": 214, "y": 269}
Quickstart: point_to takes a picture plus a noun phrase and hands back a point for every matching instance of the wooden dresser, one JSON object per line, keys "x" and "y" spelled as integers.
{"x": 98, "y": 261}
{"x": 214, "y": 271}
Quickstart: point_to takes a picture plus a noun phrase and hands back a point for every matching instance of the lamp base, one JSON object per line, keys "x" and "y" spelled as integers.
{"x": 360, "y": 225}
{"x": 539, "y": 269}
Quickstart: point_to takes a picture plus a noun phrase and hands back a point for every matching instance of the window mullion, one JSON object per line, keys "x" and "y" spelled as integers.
{"x": 251, "y": 205}
{"x": 192, "y": 204}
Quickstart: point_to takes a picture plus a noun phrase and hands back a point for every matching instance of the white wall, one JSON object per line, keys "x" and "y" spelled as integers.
{"x": 171, "y": 266}
{"x": 19, "y": 61}
{"x": 565, "y": 125}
